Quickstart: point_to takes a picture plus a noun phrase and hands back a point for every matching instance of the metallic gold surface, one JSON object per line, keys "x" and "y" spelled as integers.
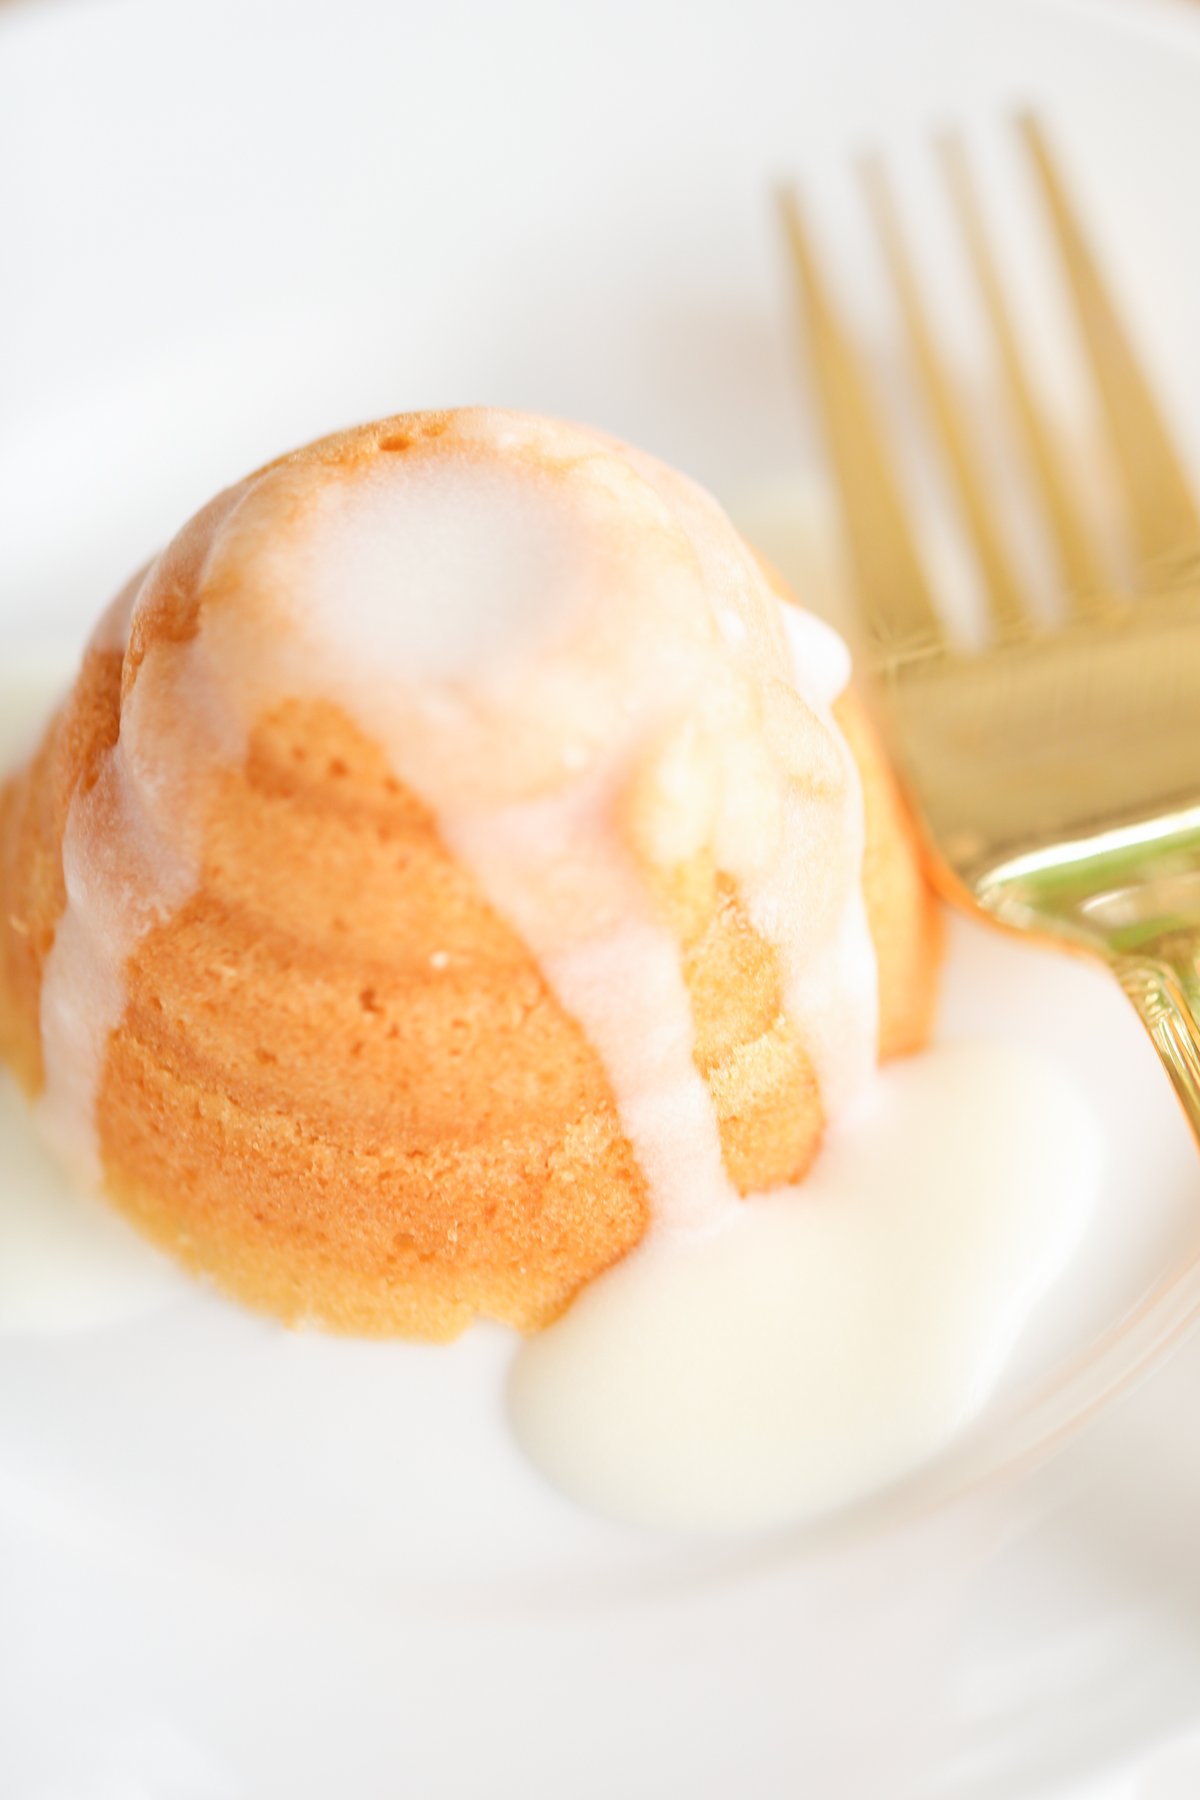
{"x": 1162, "y": 511}
{"x": 1056, "y": 772}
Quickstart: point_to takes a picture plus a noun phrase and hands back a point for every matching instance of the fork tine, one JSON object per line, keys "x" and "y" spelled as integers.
{"x": 1161, "y": 509}
{"x": 1079, "y": 565}
{"x": 892, "y": 590}
{"x": 1008, "y": 611}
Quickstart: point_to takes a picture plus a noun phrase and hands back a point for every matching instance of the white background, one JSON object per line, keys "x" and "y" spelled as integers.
{"x": 225, "y": 228}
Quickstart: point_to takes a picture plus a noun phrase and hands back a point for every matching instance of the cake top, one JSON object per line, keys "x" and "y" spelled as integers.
{"x": 568, "y": 654}
{"x": 498, "y": 597}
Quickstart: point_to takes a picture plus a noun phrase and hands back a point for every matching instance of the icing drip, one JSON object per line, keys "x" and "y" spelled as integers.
{"x": 568, "y": 653}
{"x": 131, "y": 854}
{"x": 554, "y": 869}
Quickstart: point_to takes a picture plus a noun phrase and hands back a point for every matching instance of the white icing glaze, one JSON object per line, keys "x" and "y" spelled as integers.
{"x": 132, "y": 842}
{"x": 67, "y": 1262}
{"x": 828, "y": 1339}
{"x": 569, "y": 653}
{"x": 819, "y": 658}
{"x": 807, "y": 1348}
{"x": 407, "y": 589}
{"x": 131, "y": 856}
{"x": 820, "y": 668}
{"x": 554, "y": 863}
{"x": 802, "y": 885}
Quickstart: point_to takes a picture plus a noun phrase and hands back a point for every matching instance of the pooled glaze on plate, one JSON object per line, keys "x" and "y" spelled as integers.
{"x": 802, "y": 1350}
{"x": 826, "y": 1338}
{"x": 752, "y": 1360}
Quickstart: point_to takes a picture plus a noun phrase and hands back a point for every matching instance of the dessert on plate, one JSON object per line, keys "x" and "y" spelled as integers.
{"x": 456, "y": 854}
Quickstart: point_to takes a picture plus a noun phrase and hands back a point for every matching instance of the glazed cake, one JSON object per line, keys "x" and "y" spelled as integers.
{"x": 456, "y": 855}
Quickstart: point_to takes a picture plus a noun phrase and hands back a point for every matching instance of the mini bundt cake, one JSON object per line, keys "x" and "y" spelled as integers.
{"x": 455, "y": 854}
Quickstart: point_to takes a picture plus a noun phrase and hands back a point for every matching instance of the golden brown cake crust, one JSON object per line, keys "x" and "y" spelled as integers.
{"x": 33, "y": 815}
{"x": 341, "y": 1085}
{"x": 902, "y": 909}
{"x": 352, "y": 1095}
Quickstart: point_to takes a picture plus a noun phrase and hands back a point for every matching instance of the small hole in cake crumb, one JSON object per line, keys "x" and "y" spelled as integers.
{"x": 356, "y": 1049}
{"x": 266, "y": 1056}
{"x": 368, "y": 1001}
{"x": 337, "y": 767}
{"x": 396, "y": 440}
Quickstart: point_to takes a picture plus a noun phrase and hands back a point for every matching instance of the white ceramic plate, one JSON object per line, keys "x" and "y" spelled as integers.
{"x": 235, "y": 1562}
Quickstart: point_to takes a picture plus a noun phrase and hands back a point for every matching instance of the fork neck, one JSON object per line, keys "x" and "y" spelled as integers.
{"x": 1132, "y": 898}
{"x": 1163, "y": 982}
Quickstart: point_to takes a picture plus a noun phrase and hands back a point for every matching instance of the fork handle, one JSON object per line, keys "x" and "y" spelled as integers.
{"x": 1163, "y": 981}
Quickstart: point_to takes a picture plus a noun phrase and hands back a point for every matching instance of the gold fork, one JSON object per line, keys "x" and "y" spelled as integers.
{"x": 1056, "y": 772}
